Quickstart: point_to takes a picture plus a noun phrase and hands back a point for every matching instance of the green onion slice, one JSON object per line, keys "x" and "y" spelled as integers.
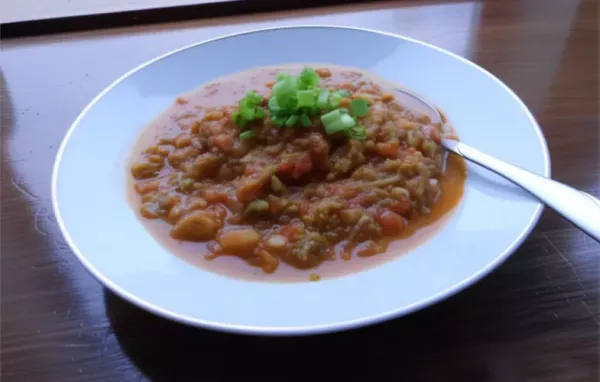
{"x": 305, "y": 120}
{"x": 279, "y": 121}
{"x": 336, "y": 121}
{"x": 309, "y": 79}
{"x": 347, "y": 121}
{"x": 335, "y": 99}
{"x": 357, "y": 132}
{"x": 322, "y": 98}
{"x": 281, "y": 76}
{"x": 248, "y": 109}
{"x": 295, "y": 99}
{"x": 292, "y": 121}
{"x": 247, "y": 135}
{"x": 359, "y": 107}
{"x": 306, "y": 98}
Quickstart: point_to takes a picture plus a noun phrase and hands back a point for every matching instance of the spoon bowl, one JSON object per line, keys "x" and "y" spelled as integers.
{"x": 580, "y": 208}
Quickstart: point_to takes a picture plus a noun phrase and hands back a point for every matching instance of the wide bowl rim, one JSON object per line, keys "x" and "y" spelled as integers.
{"x": 290, "y": 330}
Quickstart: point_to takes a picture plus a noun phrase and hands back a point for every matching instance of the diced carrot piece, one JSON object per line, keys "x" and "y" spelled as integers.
{"x": 223, "y": 141}
{"x": 388, "y": 149}
{"x": 345, "y": 102}
{"x": 391, "y": 223}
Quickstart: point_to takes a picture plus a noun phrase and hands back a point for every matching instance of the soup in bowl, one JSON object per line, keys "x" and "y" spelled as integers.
{"x": 293, "y": 168}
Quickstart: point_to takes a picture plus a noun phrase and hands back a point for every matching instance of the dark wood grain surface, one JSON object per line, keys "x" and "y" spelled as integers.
{"x": 535, "y": 318}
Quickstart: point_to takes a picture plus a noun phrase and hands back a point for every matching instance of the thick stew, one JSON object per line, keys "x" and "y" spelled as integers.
{"x": 296, "y": 165}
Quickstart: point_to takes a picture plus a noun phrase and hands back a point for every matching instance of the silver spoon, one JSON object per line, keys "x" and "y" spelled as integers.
{"x": 580, "y": 208}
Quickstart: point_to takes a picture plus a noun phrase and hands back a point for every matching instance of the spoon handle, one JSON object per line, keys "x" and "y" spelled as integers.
{"x": 580, "y": 208}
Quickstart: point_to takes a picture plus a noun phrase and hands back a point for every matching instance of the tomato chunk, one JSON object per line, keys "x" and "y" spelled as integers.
{"x": 297, "y": 166}
{"x": 391, "y": 223}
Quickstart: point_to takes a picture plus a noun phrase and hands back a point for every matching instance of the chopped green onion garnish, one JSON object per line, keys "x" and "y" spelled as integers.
{"x": 335, "y": 128}
{"x": 247, "y": 135}
{"x": 335, "y": 99}
{"x": 357, "y": 132}
{"x": 235, "y": 117}
{"x": 274, "y": 107}
{"x": 295, "y": 99}
{"x": 306, "y": 98}
{"x": 309, "y": 79}
{"x": 305, "y": 120}
{"x": 322, "y": 98}
{"x": 331, "y": 117}
{"x": 281, "y": 76}
{"x": 248, "y": 110}
{"x": 295, "y": 96}
{"x": 288, "y": 85}
{"x": 347, "y": 121}
{"x": 285, "y": 93}
{"x": 333, "y": 122}
{"x": 359, "y": 107}
{"x": 279, "y": 121}
{"x": 292, "y": 121}
{"x": 253, "y": 98}
{"x": 339, "y": 120}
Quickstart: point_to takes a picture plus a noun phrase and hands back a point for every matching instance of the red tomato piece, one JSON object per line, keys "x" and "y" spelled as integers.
{"x": 391, "y": 223}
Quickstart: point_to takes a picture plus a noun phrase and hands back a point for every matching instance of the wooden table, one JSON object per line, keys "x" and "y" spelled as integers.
{"x": 533, "y": 319}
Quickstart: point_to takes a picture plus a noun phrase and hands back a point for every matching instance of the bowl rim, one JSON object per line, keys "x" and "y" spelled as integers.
{"x": 287, "y": 330}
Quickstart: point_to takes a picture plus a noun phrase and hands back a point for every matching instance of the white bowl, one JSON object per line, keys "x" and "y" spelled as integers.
{"x": 491, "y": 221}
